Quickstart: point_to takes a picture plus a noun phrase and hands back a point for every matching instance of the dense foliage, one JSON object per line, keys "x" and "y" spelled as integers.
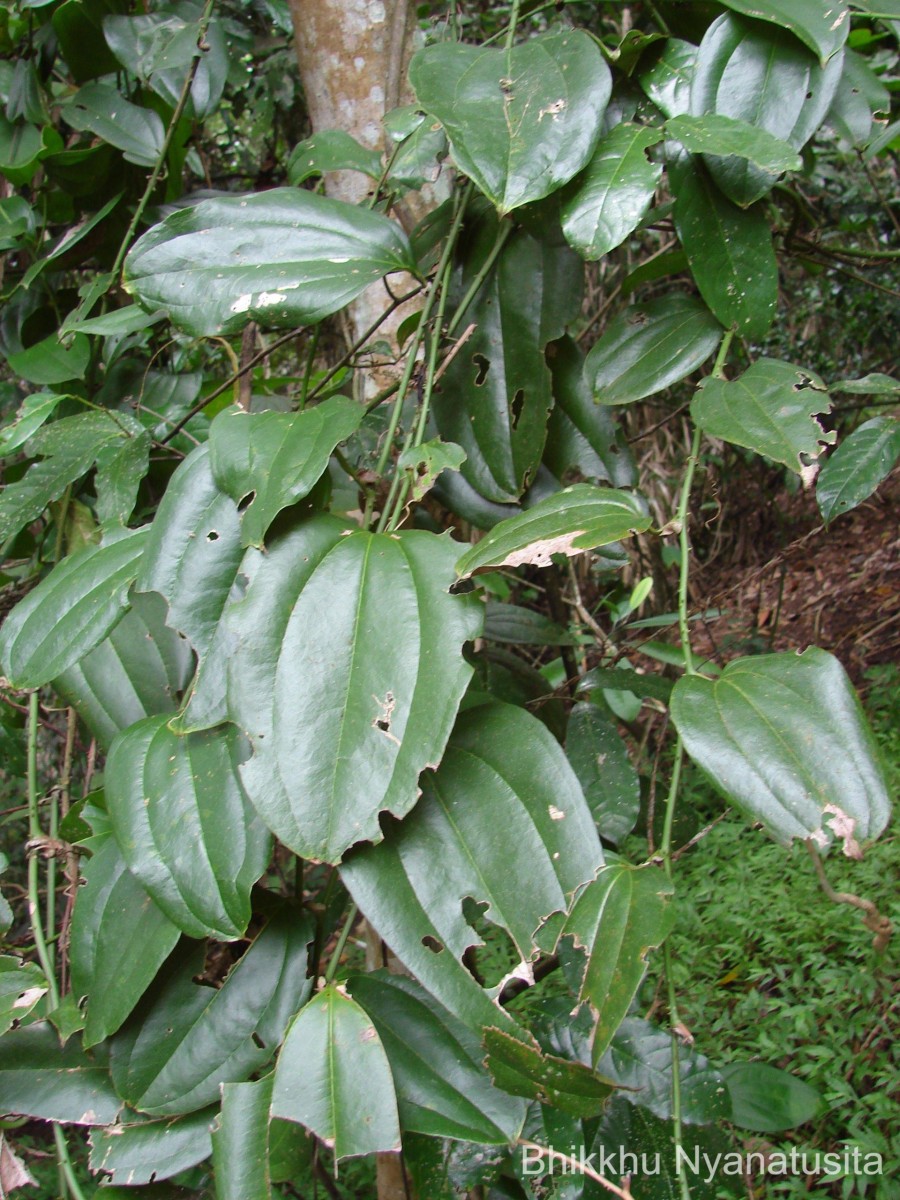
{"x": 292, "y": 663}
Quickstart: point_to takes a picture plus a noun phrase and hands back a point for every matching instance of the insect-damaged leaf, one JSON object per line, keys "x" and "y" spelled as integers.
{"x": 137, "y": 1151}
{"x": 186, "y": 1039}
{"x": 273, "y": 459}
{"x": 503, "y": 806}
{"x": 21, "y": 986}
{"x": 185, "y": 826}
{"x": 70, "y": 612}
{"x": 442, "y": 1087}
{"x": 858, "y": 466}
{"x": 770, "y": 409}
{"x": 758, "y": 732}
{"x": 521, "y": 121}
{"x": 570, "y": 521}
{"x": 496, "y": 394}
{"x": 333, "y": 1077}
{"x": 522, "y": 1069}
{"x": 284, "y": 257}
{"x": 346, "y": 676}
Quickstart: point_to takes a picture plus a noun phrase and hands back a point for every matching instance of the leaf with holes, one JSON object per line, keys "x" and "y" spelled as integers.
{"x": 22, "y": 985}
{"x": 333, "y": 1077}
{"x": 521, "y": 121}
{"x": 134, "y": 1152}
{"x": 346, "y": 676}
{"x": 186, "y": 1039}
{"x": 268, "y": 460}
{"x": 771, "y": 409}
{"x": 757, "y": 732}
{"x": 187, "y": 830}
{"x": 573, "y": 520}
{"x": 503, "y": 806}
{"x": 284, "y": 257}
{"x": 821, "y": 26}
{"x": 648, "y": 347}
{"x": 423, "y": 464}
{"x": 70, "y": 612}
{"x": 856, "y": 468}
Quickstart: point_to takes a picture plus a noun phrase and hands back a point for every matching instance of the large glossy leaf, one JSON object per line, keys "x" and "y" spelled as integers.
{"x": 40, "y": 1078}
{"x": 119, "y": 940}
{"x": 521, "y": 121}
{"x": 139, "y": 670}
{"x": 768, "y": 1100}
{"x": 495, "y": 396}
{"x": 609, "y": 778}
{"x": 503, "y": 806}
{"x": 607, "y": 201}
{"x": 284, "y": 257}
{"x": 520, "y": 1067}
{"x": 346, "y": 677}
{"x": 187, "y": 830}
{"x": 266, "y": 461}
{"x": 333, "y": 1077}
{"x": 770, "y": 409}
{"x": 754, "y": 74}
{"x": 729, "y": 250}
{"x": 442, "y": 1087}
{"x": 784, "y": 738}
{"x": 102, "y": 109}
{"x": 186, "y": 1039}
{"x": 619, "y": 917}
{"x": 667, "y": 81}
{"x": 575, "y": 519}
{"x": 648, "y": 347}
{"x": 136, "y": 1152}
{"x": 821, "y": 26}
{"x": 240, "y": 1141}
{"x": 860, "y": 463}
{"x": 70, "y": 612}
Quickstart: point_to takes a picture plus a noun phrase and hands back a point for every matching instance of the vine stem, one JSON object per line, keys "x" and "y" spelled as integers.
{"x": 335, "y": 959}
{"x": 578, "y": 1167}
{"x": 513, "y": 22}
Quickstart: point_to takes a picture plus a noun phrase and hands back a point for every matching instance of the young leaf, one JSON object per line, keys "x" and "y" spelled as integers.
{"x": 273, "y": 459}
{"x": 199, "y": 847}
{"x": 70, "y": 612}
{"x": 522, "y": 1069}
{"x": 608, "y": 199}
{"x": 822, "y": 27}
{"x": 331, "y": 150}
{"x": 136, "y": 1151}
{"x": 648, "y": 347}
{"x": 608, "y": 776}
{"x": 770, "y": 409}
{"x": 575, "y": 519}
{"x": 284, "y": 257}
{"x": 783, "y": 737}
{"x": 346, "y": 677}
{"x": 333, "y": 1077}
{"x": 521, "y": 121}
{"x": 425, "y": 462}
{"x": 40, "y": 1078}
{"x": 856, "y": 468}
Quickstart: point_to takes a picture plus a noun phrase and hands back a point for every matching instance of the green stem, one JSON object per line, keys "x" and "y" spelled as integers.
{"x": 513, "y": 22}
{"x": 34, "y": 834}
{"x": 476, "y": 284}
{"x": 665, "y": 847}
{"x": 310, "y": 359}
{"x": 677, "y": 1135}
{"x": 684, "y": 543}
{"x": 341, "y": 943}
{"x": 65, "y": 1162}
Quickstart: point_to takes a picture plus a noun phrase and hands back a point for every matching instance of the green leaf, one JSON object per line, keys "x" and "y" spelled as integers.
{"x": 861, "y": 462}
{"x": 751, "y": 73}
{"x": 875, "y": 384}
{"x": 496, "y": 393}
{"x": 333, "y": 1077}
{"x": 49, "y": 361}
{"x": 274, "y": 459}
{"x": 618, "y": 918}
{"x": 523, "y": 1070}
{"x": 131, "y": 318}
{"x": 769, "y": 409}
{"x": 331, "y": 150}
{"x": 284, "y": 257}
{"x": 442, "y": 1087}
{"x": 717, "y": 134}
{"x": 521, "y": 121}
{"x": 186, "y": 1039}
{"x": 784, "y": 738}
{"x": 119, "y": 940}
{"x": 426, "y": 461}
{"x": 31, "y": 415}
{"x": 648, "y": 347}
{"x": 140, "y": 669}
{"x": 199, "y": 847}
{"x": 417, "y": 161}
{"x": 607, "y": 201}
{"x": 768, "y": 1100}
{"x": 523, "y": 627}
{"x": 503, "y": 806}
{"x": 101, "y": 108}
{"x": 136, "y": 1152}
{"x": 575, "y": 519}
{"x": 346, "y": 677}
{"x": 70, "y": 612}
{"x": 729, "y": 250}
{"x": 22, "y": 985}
{"x": 667, "y": 81}
{"x": 859, "y": 95}
{"x": 822, "y": 27}
{"x": 121, "y": 465}
{"x": 606, "y": 773}
{"x": 40, "y": 1078}
{"x": 20, "y": 148}
{"x": 240, "y": 1142}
